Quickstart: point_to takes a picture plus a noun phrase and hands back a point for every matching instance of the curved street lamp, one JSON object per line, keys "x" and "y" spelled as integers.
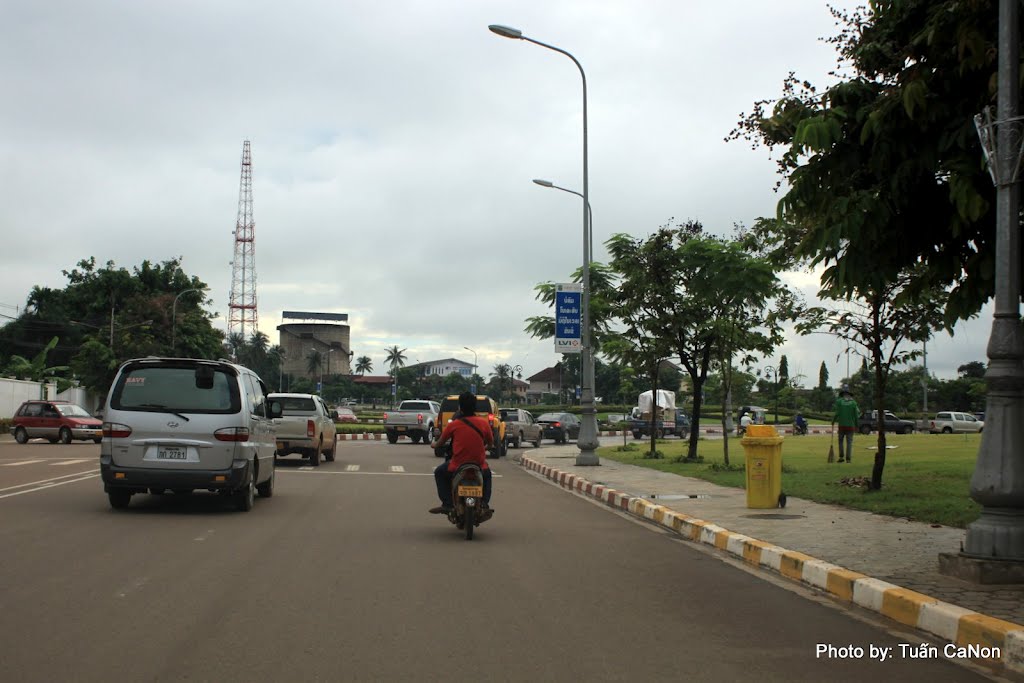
{"x": 587, "y": 439}
{"x": 589, "y": 237}
{"x": 775, "y": 384}
{"x": 174, "y": 315}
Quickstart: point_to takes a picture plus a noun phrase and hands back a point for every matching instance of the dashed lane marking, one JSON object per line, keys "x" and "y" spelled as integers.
{"x": 352, "y": 468}
{"x": 397, "y": 468}
{"x": 23, "y": 462}
{"x": 68, "y": 462}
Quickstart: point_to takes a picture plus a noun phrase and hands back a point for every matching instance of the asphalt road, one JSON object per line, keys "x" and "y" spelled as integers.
{"x": 342, "y": 575}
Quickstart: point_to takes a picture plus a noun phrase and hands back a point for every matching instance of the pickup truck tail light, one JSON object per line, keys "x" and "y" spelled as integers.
{"x": 385, "y": 417}
{"x": 419, "y": 418}
{"x": 310, "y": 428}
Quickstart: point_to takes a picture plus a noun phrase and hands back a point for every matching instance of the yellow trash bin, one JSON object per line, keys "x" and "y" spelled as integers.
{"x": 762, "y": 446}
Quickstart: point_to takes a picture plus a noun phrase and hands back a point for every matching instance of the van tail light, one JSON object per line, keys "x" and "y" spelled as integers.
{"x": 419, "y": 418}
{"x": 112, "y": 430}
{"x": 232, "y": 434}
{"x": 310, "y": 428}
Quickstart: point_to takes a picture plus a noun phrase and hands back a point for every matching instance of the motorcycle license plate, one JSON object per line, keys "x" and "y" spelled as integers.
{"x": 474, "y": 491}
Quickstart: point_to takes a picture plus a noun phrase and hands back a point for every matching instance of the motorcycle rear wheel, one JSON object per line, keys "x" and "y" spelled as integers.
{"x": 470, "y": 522}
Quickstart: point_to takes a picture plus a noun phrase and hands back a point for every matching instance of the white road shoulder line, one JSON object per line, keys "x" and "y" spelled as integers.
{"x": 68, "y": 462}
{"x": 42, "y": 486}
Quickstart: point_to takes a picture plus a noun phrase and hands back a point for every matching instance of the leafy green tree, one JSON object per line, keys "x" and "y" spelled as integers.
{"x": 314, "y": 361}
{"x": 975, "y": 369}
{"x": 891, "y": 150}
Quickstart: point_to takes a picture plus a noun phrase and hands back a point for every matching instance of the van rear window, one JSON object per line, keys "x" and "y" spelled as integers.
{"x": 163, "y": 388}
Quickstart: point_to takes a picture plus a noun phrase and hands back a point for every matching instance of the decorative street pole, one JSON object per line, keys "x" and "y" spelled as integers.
{"x": 993, "y": 550}
{"x": 587, "y": 440}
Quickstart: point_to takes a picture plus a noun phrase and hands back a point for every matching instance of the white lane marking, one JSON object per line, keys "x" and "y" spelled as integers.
{"x": 133, "y": 587}
{"x": 23, "y": 462}
{"x": 397, "y": 468}
{"x": 42, "y": 481}
{"x": 310, "y": 470}
{"x": 68, "y": 462}
{"x": 203, "y": 537}
{"x": 352, "y": 468}
{"x": 48, "y": 485}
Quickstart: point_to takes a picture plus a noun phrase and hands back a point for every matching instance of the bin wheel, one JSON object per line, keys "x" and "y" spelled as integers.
{"x": 782, "y": 500}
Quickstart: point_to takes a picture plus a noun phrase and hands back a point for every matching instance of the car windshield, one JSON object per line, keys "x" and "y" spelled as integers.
{"x": 175, "y": 388}
{"x": 71, "y": 410}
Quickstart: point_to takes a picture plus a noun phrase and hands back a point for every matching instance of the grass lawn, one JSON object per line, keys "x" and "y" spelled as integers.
{"x": 926, "y": 478}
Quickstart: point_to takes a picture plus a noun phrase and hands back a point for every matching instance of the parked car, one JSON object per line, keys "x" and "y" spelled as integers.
{"x": 560, "y": 426}
{"x": 485, "y": 407}
{"x": 55, "y": 421}
{"x": 869, "y": 422}
{"x": 305, "y": 426}
{"x": 948, "y": 422}
{"x": 186, "y": 424}
{"x": 346, "y": 415}
{"x": 520, "y": 427}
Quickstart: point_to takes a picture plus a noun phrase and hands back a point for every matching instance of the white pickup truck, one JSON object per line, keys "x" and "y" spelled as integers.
{"x": 414, "y": 419}
{"x": 306, "y": 427}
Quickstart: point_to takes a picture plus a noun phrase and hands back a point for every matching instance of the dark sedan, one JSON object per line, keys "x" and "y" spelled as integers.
{"x": 560, "y": 426}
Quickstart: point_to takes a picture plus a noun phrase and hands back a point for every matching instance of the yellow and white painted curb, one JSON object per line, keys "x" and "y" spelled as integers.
{"x": 961, "y": 627}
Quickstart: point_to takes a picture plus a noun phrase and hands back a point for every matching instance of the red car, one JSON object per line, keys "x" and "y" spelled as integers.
{"x": 346, "y": 415}
{"x": 55, "y": 421}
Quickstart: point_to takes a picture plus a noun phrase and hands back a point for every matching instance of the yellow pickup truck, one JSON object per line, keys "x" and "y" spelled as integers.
{"x": 485, "y": 407}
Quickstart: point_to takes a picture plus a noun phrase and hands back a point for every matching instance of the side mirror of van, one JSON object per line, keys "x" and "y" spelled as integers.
{"x": 204, "y": 377}
{"x": 274, "y": 409}
{"x": 334, "y": 415}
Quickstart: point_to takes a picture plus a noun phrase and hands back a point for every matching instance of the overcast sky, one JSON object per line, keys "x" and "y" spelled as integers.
{"x": 393, "y": 149}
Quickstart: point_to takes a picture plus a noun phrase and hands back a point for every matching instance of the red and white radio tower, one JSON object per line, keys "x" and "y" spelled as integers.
{"x": 242, "y": 317}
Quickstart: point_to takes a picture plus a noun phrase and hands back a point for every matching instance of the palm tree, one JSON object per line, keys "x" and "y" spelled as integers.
{"x": 364, "y": 365}
{"x": 235, "y": 342}
{"x": 259, "y": 343}
{"x": 276, "y": 356}
{"x": 314, "y": 360}
{"x": 395, "y": 358}
{"x": 501, "y": 373}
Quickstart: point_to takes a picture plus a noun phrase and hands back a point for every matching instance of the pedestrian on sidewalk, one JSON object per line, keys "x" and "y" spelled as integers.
{"x": 846, "y": 414}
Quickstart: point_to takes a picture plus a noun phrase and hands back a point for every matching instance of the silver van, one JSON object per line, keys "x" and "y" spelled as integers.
{"x": 184, "y": 424}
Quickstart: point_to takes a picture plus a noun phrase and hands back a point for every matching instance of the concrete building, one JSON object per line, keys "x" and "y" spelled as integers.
{"x": 327, "y": 333}
{"x": 443, "y": 367}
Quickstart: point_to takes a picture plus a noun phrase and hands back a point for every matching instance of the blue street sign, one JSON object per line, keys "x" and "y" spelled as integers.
{"x": 568, "y": 318}
{"x": 318, "y": 387}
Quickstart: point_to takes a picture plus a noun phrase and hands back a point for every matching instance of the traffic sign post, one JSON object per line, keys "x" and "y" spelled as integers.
{"x": 568, "y": 317}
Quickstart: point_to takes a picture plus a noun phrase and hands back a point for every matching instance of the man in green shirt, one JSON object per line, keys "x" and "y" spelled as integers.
{"x": 846, "y": 415}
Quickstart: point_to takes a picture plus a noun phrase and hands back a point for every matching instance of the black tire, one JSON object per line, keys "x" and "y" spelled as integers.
{"x": 64, "y": 435}
{"x": 536, "y": 444}
{"x": 20, "y": 435}
{"x": 98, "y": 439}
{"x": 245, "y": 497}
{"x": 637, "y": 435}
{"x": 266, "y": 489}
{"x": 947, "y": 430}
{"x": 119, "y": 499}
{"x": 392, "y": 437}
{"x": 517, "y": 442}
{"x": 314, "y": 455}
{"x": 415, "y": 438}
{"x": 329, "y": 455}
{"x": 865, "y": 429}
{"x": 470, "y": 522}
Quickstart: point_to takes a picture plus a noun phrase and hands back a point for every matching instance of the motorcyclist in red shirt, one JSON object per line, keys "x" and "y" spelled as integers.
{"x": 470, "y": 436}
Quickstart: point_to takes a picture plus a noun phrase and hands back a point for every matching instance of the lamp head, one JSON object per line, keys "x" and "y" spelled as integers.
{"x": 506, "y": 31}
{"x": 543, "y": 183}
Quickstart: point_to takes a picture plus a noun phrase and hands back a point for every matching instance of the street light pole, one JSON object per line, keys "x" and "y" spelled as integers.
{"x": 174, "y": 317}
{"x": 474, "y": 367}
{"x": 775, "y": 384}
{"x": 587, "y": 439}
{"x": 589, "y": 237}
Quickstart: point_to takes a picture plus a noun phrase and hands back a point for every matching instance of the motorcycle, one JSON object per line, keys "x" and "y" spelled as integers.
{"x": 468, "y": 511}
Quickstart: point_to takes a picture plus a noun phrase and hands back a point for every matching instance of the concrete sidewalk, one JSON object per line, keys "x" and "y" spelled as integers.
{"x": 885, "y": 564}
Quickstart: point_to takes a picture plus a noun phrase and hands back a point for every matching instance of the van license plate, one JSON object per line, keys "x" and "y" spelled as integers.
{"x": 475, "y": 491}
{"x": 171, "y": 453}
